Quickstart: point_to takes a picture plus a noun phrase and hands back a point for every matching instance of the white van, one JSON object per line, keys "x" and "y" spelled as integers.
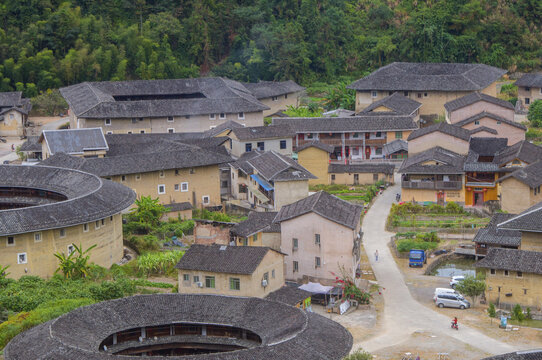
{"x": 446, "y": 291}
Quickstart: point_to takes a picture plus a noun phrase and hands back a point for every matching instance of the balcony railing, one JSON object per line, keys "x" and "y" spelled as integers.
{"x": 432, "y": 185}
{"x": 347, "y": 142}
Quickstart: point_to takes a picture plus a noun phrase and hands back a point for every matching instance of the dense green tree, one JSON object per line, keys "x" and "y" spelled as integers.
{"x": 535, "y": 113}
{"x": 472, "y": 287}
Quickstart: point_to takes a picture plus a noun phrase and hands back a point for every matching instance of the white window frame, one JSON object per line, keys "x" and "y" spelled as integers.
{"x": 222, "y": 116}
{"x": 19, "y": 258}
{"x": 163, "y": 187}
{"x": 37, "y": 237}
{"x": 176, "y": 187}
{"x": 183, "y": 184}
{"x": 241, "y": 116}
{"x": 212, "y": 116}
{"x": 107, "y": 122}
{"x": 171, "y": 130}
{"x": 170, "y": 119}
{"x": 374, "y": 94}
{"x": 86, "y": 227}
{"x": 62, "y": 233}
{"x": 206, "y": 197}
{"x": 71, "y": 249}
{"x": 7, "y": 241}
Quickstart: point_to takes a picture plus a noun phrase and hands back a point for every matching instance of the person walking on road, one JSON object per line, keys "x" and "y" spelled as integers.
{"x": 376, "y": 255}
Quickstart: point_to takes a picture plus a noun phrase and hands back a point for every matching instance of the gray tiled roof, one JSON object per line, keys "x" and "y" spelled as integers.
{"x": 513, "y": 260}
{"x": 518, "y": 355}
{"x": 31, "y": 144}
{"x": 326, "y": 205}
{"x": 449, "y": 162}
{"x": 491, "y": 116}
{"x": 317, "y": 144}
{"x": 223, "y": 259}
{"x": 204, "y": 96}
{"x": 522, "y": 150}
{"x": 339, "y": 112}
{"x": 286, "y": 332}
{"x": 529, "y": 220}
{"x": 272, "y": 166}
{"x": 89, "y": 198}
{"x": 267, "y": 89}
{"x": 361, "y": 168}
{"x": 143, "y": 157}
{"x": 10, "y": 99}
{"x": 349, "y": 123}
{"x": 530, "y": 80}
{"x": 443, "y": 127}
{"x": 395, "y": 146}
{"x": 288, "y": 295}
{"x": 263, "y": 132}
{"x": 474, "y": 98}
{"x": 399, "y": 76}
{"x": 485, "y": 147}
{"x": 483, "y": 128}
{"x": 530, "y": 175}
{"x": 491, "y": 234}
{"x": 74, "y": 141}
{"x": 227, "y": 125}
{"x": 399, "y": 104}
{"x": 256, "y": 222}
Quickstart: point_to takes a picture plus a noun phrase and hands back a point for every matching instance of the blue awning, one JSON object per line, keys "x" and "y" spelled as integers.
{"x": 267, "y": 186}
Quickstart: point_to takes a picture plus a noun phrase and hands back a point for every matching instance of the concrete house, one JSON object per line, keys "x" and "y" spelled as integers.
{"x": 506, "y": 129}
{"x": 276, "y": 95}
{"x": 78, "y": 142}
{"x": 161, "y": 106}
{"x": 529, "y": 89}
{"x": 152, "y": 165}
{"x": 320, "y": 234}
{"x": 494, "y": 237}
{"x": 268, "y": 180}
{"x": 263, "y": 138}
{"x": 360, "y": 174}
{"x": 231, "y": 270}
{"x": 513, "y": 276}
{"x": 395, "y": 104}
{"x": 431, "y": 84}
{"x": 520, "y": 189}
{"x": 314, "y": 156}
{"x": 353, "y": 137}
{"x": 476, "y": 103}
{"x": 446, "y": 136}
{"x": 434, "y": 175}
{"x": 14, "y": 111}
{"x": 44, "y": 210}
{"x": 258, "y": 230}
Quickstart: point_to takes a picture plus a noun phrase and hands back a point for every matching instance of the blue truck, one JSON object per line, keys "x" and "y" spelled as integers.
{"x": 417, "y": 258}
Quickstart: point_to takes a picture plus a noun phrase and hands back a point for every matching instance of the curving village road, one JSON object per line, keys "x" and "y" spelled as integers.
{"x": 403, "y": 315}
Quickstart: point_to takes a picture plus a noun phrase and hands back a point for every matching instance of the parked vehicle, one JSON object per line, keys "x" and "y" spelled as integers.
{"x": 451, "y": 300}
{"x": 455, "y": 280}
{"x": 417, "y": 258}
{"x": 446, "y": 291}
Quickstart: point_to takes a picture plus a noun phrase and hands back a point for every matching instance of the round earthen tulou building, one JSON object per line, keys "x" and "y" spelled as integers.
{"x": 171, "y": 326}
{"x": 44, "y": 210}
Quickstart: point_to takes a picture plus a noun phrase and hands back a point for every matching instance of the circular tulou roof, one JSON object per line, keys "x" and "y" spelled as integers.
{"x": 89, "y": 198}
{"x": 286, "y": 332}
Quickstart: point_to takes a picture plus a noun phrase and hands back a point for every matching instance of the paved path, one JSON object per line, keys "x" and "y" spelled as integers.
{"x": 402, "y": 314}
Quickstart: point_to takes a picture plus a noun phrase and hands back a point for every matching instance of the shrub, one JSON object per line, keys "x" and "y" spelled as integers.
{"x": 136, "y": 227}
{"x": 491, "y": 310}
{"x": 428, "y": 237}
{"x": 517, "y": 313}
{"x": 535, "y": 113}
{"x": 159, "y": 263}
{"x": 454, "y": 208}
{"x": 359, "y": 355}
{"x": 529, "y": 315}
{"x": 205, "y": 214}
{"x": 143, "y": 244}
{"x": 407, "y": 245}
{"x": 109, "y": 290}
{"x": 533, "y": 134}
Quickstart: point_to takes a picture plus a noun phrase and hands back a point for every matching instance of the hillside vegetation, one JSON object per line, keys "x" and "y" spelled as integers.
{"x": 50, "y": 43}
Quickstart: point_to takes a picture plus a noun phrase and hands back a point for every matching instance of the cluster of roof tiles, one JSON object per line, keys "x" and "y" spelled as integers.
{"x": 272, "y": 166}
{"x": 485, "y": 114}
{"x": 443, "y": 127}
{"x": 397, "y": 103}
{"x": 14, "y": 100}
{"x": 262, "y": 132}
{"x": 518, "y": 355}
{"x": 397, "y": 145}
{"x": 513, "y": 260}
{"x": 266, "y": 89}
{"x": 349, "y": 123}
{"x": 529, "y": 220}
{"x": 74, "y": 141}
{"x": 399, "y": 76}
{"x": 361, "y": 168}
{"x": 180, "y": 97}
{"x": 89, "y": 198}
{"x": 257, "y": 222}
{"x": 316, "y": 144}
{"x": 325, "y": 205}
{"x": 530, "y": 175}
{"x": 285, "y": 331}
{"x": 475, "y": 97}
{"x": 289, "y": 295}
{"x": 492, "y": 234}
{"x": 530, "y": 80}
{"x": 448, "y": 162}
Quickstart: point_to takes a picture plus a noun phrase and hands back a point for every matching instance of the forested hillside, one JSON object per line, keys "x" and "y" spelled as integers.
{"x": 48, "y": 43}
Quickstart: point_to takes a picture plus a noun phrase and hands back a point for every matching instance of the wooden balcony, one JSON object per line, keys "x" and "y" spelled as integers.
{"x": 347, "y": 142}
{"x": 432, "y": 185}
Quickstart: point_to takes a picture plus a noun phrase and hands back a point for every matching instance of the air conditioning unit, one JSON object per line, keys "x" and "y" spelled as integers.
{"x": 200, "y": 284}
{"x": 264, "y": 283}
